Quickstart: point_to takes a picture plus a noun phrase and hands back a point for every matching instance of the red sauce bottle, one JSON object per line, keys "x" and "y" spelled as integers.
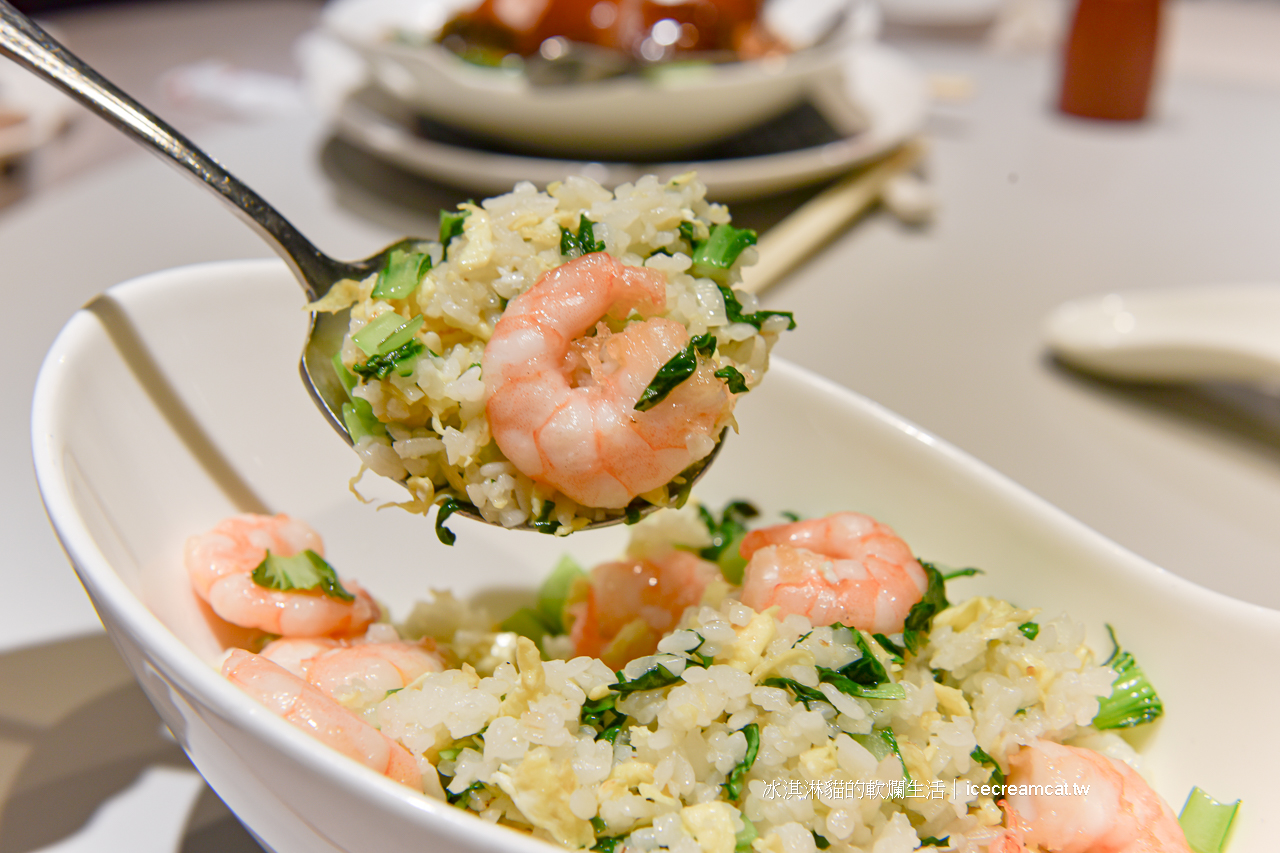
{"x": 1110, "y": 58}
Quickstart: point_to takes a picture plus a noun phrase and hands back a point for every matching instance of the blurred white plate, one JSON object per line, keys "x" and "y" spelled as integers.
{"x": 151, "y": 422}
{"x": 880, "y": 105}
{"x": 618, "y": 117}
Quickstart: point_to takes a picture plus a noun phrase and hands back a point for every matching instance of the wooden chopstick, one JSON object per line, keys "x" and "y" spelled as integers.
{"x": 810, "y": 226}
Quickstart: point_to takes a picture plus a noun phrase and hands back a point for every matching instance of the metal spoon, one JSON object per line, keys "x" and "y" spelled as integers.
{"x": 30, "y": 46}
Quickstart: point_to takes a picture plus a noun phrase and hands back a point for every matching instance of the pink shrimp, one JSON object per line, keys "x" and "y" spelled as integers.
{"x": 221, "y": 563}
{"x": 655, "y": 590}
{"x": 339, "y": 669}
{"x": 846, "y": 568}
{"x": 310, "y": 710}
{"x": 1117, "y": 812}
{"x": 587, "y": 439}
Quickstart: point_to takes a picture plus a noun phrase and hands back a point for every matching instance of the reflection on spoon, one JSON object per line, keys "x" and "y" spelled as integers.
{"x": 1214, "y": 333}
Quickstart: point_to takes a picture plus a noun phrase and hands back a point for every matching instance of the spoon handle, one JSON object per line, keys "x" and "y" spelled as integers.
{"x": 30, "y": 46}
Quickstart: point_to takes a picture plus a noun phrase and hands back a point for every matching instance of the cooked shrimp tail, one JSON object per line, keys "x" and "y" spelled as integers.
{"x": 310, "y": 710}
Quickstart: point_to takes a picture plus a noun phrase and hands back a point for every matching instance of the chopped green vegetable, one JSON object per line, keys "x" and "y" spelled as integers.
{"x": 608, "y": 845}
{"x": 1206, "y": 822}
{"x": 377, "y": 330}
{"x": 881, "y": 743}
{"x": 305, "y": 571}
{"x": 360, "y": 420}
{"x": 820, "y": 842}
{"x": 598, "y": 824}
{"x": 959, "y": 573}
{"x": 402, "y": 274}
{"x": 451, "y": 226}
{"x": 679, "y": 368}
{"x": 980, "y": 755}
{"x": 386, "y": 332}
{"x": 932, "y": 841}
{"x": 895, "y": 651}
{"x": 867, "y": 669}
{"x": 357, "y": 415}
{"x": 444, "y": 509}
{"x": 874, "y": 744}
{"x": 1030, "y": 630}
{"x": 733, "y": 378}
{"x": 852, "y": 688}
{"x": 554, "y": 591}
{"x": 544, "y": 523}
{"x": 650, "y": 679}
{"x": 886, "y": 735}
{"x": 805, "y": 695}
{"x": 595, "y": 712}
{"x": 742, "y": 841}
{"x": 401, "y": 360}
{"x": 733, "y": 310}
{"x": 713, "y": 257}
{"x": 726, "y": 537}
{"x": 1133, "y": 700}
{"x": 689, "y": 231}
{"x": 583, "y": 243}
{"x": 733, "y": 785}
{"x": 920, "y": 617}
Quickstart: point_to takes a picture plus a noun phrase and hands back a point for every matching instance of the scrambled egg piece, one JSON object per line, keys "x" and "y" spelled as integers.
{"x": 540, "y": 788}
{"x": 711, "y": 825}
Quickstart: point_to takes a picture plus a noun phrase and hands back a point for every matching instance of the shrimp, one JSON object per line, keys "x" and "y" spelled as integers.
{"x": 220, "y": 564}
{"x": 650, "y": 594}
{"x": 1118, "y": 814}
{"x": 586, "y": 439}
{"x": 360, "y": 669}
{"x": 846, "y": 568}
{"x": 304, "y": 706}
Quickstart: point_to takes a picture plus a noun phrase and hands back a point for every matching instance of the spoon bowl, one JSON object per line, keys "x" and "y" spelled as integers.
{"x": 26, "y": 43}
{"x": 1215, "y": 333}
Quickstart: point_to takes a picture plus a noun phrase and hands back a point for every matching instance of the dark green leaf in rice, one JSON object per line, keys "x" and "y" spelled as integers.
{"x": 447, "y": 507}
{"x": 895, "y": 651}
{"x": 733, "y": 785}
{"x": 451, "y": 226}
{"x": 916, "y": 627}
{"x": 400, "y": 360}
{"x": 805, "y": 695}
{"x": 980, "y": 755}
{"x": 867, "y": 669}
{"x": 733, "y": 309}
{"x": 584, "y": 242}
{"x": 1030, "y": 630}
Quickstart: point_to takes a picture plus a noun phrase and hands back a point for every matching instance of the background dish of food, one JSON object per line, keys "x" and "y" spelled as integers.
{"x": 31, "y": 114}
{"x": 671, "y": 108}
{"x": 137, "y": 444}
{"x": 880, "y": 105}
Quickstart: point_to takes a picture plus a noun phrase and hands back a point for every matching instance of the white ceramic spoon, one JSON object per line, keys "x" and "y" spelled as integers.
{"x": 1213, "y": 333}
